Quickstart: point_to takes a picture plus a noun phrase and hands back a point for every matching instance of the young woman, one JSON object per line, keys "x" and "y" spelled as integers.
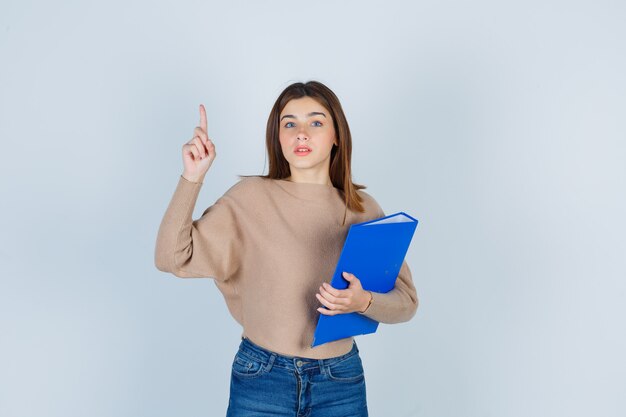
{"x": 271, "y": 243}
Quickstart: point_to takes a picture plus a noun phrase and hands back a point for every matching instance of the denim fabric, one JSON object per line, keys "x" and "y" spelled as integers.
{"x": 264, "y": 383}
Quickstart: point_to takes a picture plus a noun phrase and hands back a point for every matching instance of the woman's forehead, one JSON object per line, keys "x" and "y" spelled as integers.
{"x": 301, "y": 107}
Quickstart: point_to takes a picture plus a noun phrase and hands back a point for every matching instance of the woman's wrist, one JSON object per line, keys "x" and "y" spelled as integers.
{"x": 369, "y": 303}
{"x": 193, "y": 178}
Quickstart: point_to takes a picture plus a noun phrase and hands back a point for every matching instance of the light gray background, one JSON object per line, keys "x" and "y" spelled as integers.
{"x": 500, "y": 125}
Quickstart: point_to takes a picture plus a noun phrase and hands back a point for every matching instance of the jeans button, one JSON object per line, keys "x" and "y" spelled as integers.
{"x": 299, "y": 363}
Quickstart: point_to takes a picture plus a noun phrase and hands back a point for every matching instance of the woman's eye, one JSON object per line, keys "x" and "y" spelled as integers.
{"x": 320, "y": 123}
{"x": 288, "y": 123}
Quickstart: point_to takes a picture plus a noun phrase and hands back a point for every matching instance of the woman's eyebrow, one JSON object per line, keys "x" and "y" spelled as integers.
{"x": 313, "y": 113}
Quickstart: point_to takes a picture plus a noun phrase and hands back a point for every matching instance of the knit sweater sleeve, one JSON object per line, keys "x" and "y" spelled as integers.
{"x": 207, "y": 247}
{"x": 399, "y": 304}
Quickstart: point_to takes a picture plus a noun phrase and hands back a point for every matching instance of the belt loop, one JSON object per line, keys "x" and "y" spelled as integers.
{"x": 322, "y": 366}
{"x": 270, "y": 362}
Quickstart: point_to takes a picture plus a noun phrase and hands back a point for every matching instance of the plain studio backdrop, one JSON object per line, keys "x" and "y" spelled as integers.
{"x": 499, "y": 125}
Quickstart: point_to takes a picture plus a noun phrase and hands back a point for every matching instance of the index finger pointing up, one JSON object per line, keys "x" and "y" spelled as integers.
{"x": 203, "y": 123}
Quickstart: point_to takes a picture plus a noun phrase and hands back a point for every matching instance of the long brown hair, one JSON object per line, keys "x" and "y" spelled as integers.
{"x": 340, "y": 156}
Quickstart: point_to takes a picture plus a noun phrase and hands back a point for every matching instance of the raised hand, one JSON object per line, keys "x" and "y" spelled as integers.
{"x": 199, "y": 152}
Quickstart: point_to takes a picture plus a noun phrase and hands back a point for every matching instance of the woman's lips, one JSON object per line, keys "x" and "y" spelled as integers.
{"x": 301, "y": 153}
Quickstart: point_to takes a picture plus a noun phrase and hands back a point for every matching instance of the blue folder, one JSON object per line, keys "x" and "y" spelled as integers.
{"x": 373, "y": 252}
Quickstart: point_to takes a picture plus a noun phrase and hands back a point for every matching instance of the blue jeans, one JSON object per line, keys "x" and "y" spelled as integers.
{"x": 264, "y": 383}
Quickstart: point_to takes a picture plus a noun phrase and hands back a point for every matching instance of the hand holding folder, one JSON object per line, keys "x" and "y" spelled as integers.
{"x": 373, "y": 252}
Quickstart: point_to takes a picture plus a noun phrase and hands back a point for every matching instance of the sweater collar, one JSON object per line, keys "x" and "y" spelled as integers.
{"x": 306, "y": 190}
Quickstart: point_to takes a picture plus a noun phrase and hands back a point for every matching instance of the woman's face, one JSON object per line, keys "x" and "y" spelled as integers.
{"x": 305, "y": 123}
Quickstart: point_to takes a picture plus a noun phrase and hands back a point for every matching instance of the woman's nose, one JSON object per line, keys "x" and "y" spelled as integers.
{"x": 302, "y": 134}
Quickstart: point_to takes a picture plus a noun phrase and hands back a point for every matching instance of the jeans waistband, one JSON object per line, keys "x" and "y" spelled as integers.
{"x": 249, "y": 348}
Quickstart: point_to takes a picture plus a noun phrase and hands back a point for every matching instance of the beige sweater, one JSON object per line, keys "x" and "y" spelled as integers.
{"x": 269, "y": 244}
